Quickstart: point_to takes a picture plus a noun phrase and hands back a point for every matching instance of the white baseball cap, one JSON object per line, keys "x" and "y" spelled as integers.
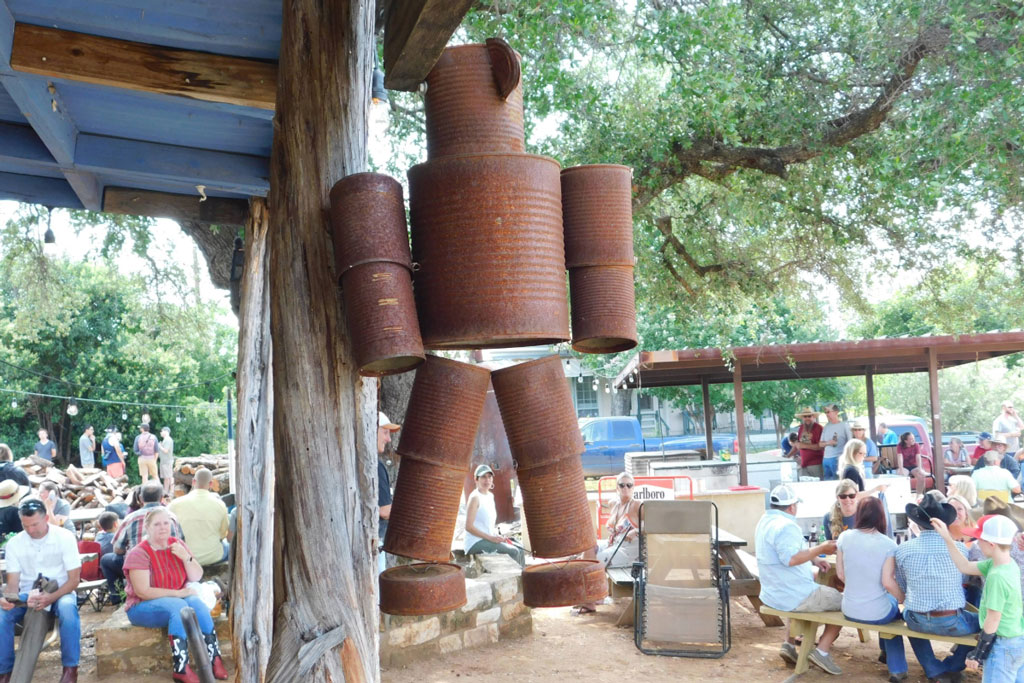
{"x": 383, "y": 421}
{"x": 783, "y": 495}
{"x": 998, "y": 529}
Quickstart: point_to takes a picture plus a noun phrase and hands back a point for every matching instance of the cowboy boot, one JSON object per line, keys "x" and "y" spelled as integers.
{"x": 213, "y": 650}
{"x": 69, "y": 675}
{"x": 179, "y": 661}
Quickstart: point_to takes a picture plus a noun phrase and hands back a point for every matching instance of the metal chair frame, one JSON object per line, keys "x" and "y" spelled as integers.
{"x": 719, "y": 580}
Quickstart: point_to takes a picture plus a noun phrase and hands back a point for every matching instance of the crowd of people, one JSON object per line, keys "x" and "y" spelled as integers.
{"x": 963, "y": 552}
{"x": 143, "y": 556}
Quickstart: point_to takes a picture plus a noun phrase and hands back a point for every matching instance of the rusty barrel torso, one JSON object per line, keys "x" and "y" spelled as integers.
{"x": 416, "y": 589}
{"x": 560, "y": 584}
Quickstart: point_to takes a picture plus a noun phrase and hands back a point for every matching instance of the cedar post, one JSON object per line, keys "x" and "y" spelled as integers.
{"x": 741, "y": 426}
{"x": 325, "y": 602}
{"x": 709, "y": 439}
{"x": 252, "y": 605}
{"x": 938, "y": 464}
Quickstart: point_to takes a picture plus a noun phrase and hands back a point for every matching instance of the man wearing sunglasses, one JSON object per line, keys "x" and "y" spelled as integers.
{"x": 52, "y": 551}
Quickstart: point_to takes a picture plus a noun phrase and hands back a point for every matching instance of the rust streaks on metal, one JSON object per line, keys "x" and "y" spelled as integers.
{"x": 418, "y": 589}
{"x": 603, "y": 309}
{"x": 598, "y": 215}
{"x": 385, "y": 338}
{"x": 465, "y": 112}
{"x": 563, "y": 584}
{"x": 368, "y": 221}
{"x": 487, "y": 233}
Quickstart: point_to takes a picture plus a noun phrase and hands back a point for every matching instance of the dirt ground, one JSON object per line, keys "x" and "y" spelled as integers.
{"x": 592, "y": 649}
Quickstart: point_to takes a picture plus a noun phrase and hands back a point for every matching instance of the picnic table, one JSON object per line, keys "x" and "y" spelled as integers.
{"x": 83, "y": 517}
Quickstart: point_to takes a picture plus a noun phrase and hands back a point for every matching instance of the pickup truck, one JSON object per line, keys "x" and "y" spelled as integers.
{"x": 608, "y": 439}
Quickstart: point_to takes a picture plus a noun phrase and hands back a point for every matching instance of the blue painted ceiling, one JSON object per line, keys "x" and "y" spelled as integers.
{"x": 104, "y": 136}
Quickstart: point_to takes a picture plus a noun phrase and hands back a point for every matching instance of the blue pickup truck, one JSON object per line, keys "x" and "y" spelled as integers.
{"x": 608, "y": 439}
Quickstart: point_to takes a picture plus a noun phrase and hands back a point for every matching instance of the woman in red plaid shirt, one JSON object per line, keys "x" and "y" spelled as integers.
{"x": 158, "y": 570}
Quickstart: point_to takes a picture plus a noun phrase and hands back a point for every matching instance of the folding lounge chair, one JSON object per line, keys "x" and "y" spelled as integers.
{"x": 682, "y": 592}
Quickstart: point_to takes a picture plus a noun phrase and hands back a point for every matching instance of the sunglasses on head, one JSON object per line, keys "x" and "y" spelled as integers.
{"x": 30, "y": 507}
{"x": 847, "y": 496}
{"x": 625, "y": 486}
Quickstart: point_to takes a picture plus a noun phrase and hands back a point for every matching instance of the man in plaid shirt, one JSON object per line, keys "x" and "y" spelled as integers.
{"x": 129, "y": 535}
{"x": 934, "y": 591}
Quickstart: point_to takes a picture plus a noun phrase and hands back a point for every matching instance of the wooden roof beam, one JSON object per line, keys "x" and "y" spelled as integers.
{"x": 178, "y": 207}
{"x": 41, "y": 104}
{"x": 415, "y": 34}
{"x": 128, "y": 65}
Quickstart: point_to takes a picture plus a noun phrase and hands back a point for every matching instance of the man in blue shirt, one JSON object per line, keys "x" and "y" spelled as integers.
{"x": 44, "y": 448}
{"x": 888, "y": 437}
{"x": 787, "y": 579}
{"x": 934, "y": 591}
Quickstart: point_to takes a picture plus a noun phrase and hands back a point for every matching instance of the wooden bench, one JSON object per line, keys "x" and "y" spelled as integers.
{"x": 806, "y": 624}
{"x": 620, "y": 585}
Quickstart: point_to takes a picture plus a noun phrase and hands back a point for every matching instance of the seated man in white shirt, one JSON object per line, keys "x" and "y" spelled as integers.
{"x": 993, "y": 479}
{"x": 52, "y": 551}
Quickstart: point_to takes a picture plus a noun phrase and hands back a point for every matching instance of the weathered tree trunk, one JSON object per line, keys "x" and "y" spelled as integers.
{"x": 325, "y": 620}
{"x": 252, "y": 606}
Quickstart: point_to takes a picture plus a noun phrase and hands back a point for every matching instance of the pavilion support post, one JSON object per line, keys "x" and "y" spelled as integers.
{"x": 869, "y": 385}
{"x": 705, "y": 395}
{"x": 325, "y": 421}
{"x": 741, "y": 429}
{"x": 252, "y": 597}
{"x": 933, "y": 387}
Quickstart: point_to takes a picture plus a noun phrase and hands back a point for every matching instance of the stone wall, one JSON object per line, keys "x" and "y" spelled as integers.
{"x": 494, "y": 611}
{"x": 123, "y": 648}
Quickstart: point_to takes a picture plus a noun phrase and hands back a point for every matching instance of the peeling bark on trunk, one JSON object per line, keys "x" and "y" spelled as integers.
{"x": 251, "y": 605}
{"x": 325, "y": 621}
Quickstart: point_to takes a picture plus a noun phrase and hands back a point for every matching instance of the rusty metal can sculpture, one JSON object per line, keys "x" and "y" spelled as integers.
{"x": 597, "y": 212}
{"x": 545, "y": 441}
{"x": 603, "y": 309}
{"x": 564, "y": 583}
{"x": 487, "y": 235}
{"x": 416, "y": 589}
{"x": 368, "y": 221}
{"x": 436, "y": 448}
{"x": 381, "y": 316}
{"x": 474, "y": 101}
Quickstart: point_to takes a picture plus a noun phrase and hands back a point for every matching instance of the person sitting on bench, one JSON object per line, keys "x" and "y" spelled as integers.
{"x": 787, "y": 580}
{"x": 158, "y": 571}
{"x": 934, "y": 591}
{"x": 51, "y": 551}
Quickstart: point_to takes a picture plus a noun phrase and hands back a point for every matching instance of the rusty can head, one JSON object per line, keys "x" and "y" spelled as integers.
{"x": 381, "y": 316}
{"x": 603, "y": 309}
{"x": 444, "y": 411}
{"x": 465, "y": 111}
{"x": 597, "y": 211}
{"x": 416, "y": 589}
{"x": 555, "y": 505}
{"x": 487, "y": 235}
{"x": 538, "y": 412}
{"x": 564, "y": 583}
{"x": 424, "y": 510}
{"x": 368, "y": 221}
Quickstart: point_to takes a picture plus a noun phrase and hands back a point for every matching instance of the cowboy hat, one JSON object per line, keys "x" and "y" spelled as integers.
{"x": 11, "y": 493}
{"x": 930, "y": 507}
{"x": 995, "y": 506}
{"x": 807, "y": 411}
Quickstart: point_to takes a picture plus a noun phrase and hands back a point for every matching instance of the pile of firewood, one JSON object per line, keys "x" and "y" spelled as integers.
{"x": 185, "y": 470}
{"x": 83, "y": 487}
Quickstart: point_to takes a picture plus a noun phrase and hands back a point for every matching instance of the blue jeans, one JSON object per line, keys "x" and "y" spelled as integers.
{"x": 66, "y": 609}
{"x": 831, "y": 467}
{"x": 895, "y": 655}
{"x": 163, "y": 612}
{"x": 1005, "y": 663}
{"x": 112, "y": 566}
{"x": 960, "y": 624}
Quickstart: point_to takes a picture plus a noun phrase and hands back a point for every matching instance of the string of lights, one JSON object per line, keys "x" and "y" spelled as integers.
{"x": 73, "y": 402}
{"x": 114, "y": 390}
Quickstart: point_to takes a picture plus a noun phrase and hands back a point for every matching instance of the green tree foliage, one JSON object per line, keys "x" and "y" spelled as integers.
{"x": 776, "y": 140}
{"x": 81, "y": 329}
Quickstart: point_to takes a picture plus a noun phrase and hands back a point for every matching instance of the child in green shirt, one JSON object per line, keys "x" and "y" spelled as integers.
{"x": 1001, "y": 642}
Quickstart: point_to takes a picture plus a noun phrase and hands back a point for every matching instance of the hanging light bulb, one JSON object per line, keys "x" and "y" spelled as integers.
{"x": 615, "y": 390}
{"x": 14, "y": 403}
{"x": 607, "y": 389}
{"x": 72, "y": 408}
{"x": 177, "y": 418}
{"x": 124, "y": 415}
{"x": 579, "y": 379}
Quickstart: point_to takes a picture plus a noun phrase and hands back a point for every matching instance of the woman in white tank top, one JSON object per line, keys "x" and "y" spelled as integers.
{"x": 481, "y": 520}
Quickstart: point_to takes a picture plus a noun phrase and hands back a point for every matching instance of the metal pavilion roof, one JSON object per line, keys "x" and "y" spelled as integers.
{"x": 810, "y": 360}
{"x": 78, "y": 118}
